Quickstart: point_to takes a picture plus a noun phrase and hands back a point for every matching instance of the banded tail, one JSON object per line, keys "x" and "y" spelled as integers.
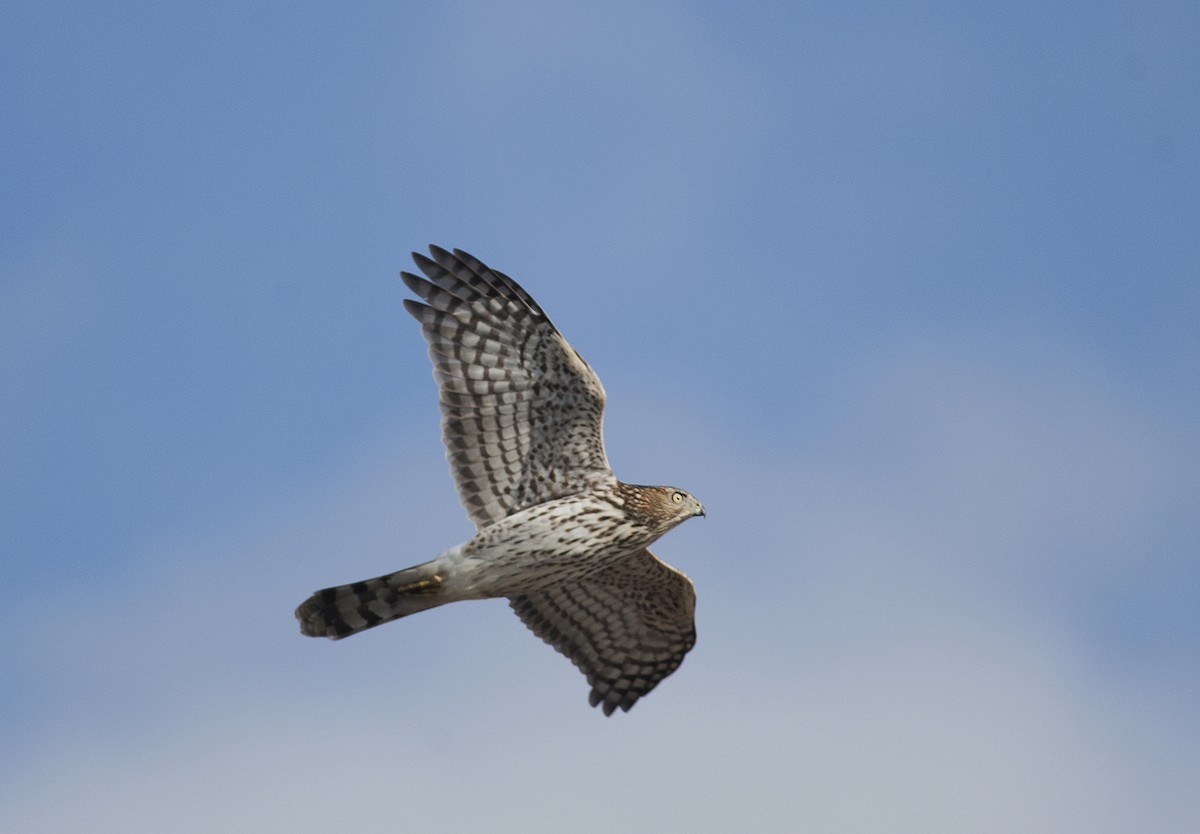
{"x": 348, "y": 609}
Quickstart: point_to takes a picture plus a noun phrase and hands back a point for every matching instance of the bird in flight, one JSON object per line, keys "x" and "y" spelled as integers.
{"x": 556, "y": 532}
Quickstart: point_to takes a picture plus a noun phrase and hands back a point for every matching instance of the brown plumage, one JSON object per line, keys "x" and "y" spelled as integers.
{"x": 556, "y": 532}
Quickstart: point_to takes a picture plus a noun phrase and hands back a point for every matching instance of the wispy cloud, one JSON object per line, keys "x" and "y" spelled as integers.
{"x": 856, "y": 667}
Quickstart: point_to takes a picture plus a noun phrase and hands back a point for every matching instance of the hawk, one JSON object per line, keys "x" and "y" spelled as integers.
{"x": 556, "y": 532}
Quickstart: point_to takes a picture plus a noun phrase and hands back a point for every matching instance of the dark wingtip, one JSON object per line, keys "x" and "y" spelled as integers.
{"x": 425, "y": 263}
{"x": 412, "y": 281}
{"x": 415, "y": 308}
{"x": 607, "y": 706}
{"x": 439, "y": 254}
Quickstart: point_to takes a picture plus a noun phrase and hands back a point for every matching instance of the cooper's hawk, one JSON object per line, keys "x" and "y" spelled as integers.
{"x": 556, "y": 532}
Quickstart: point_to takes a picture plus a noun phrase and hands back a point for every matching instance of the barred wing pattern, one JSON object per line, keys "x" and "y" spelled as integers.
{"x": 521, "y": 409}
{"x": 626, "y": 626}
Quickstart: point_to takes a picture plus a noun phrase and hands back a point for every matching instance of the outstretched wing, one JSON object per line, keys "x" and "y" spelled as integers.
{"x": 521, "y": 410}
{"x": 626, "y": 626}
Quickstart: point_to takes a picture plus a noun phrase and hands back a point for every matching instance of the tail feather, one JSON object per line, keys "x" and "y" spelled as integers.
{"x": 348, "y": 609}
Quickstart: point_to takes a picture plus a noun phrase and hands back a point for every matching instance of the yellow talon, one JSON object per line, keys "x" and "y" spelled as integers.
{"x": 422, "y": 586}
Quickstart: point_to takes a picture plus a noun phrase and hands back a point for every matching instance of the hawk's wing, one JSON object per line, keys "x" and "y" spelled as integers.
{"x": 626, "y": 626}
{"x": 521, "y": 410}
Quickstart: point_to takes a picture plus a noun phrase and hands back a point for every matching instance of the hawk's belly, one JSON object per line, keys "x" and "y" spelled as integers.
{"x": 559, "y": 541}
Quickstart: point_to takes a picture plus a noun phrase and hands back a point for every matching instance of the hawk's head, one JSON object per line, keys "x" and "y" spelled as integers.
{"x": 659, "y": 507}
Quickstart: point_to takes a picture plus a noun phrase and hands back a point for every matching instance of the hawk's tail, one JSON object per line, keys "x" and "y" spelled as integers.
{"x": 349, "y": 609}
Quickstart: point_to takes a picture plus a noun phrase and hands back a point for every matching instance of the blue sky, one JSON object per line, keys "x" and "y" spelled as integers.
{"x": 907, "y": 295}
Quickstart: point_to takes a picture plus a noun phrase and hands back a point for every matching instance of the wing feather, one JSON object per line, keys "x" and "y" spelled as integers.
{"x": 627, "y": 626}
{"x": 521, "y": 409}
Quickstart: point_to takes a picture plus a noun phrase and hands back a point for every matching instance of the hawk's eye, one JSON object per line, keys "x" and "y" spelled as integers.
{"x": 677, "y": 497}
